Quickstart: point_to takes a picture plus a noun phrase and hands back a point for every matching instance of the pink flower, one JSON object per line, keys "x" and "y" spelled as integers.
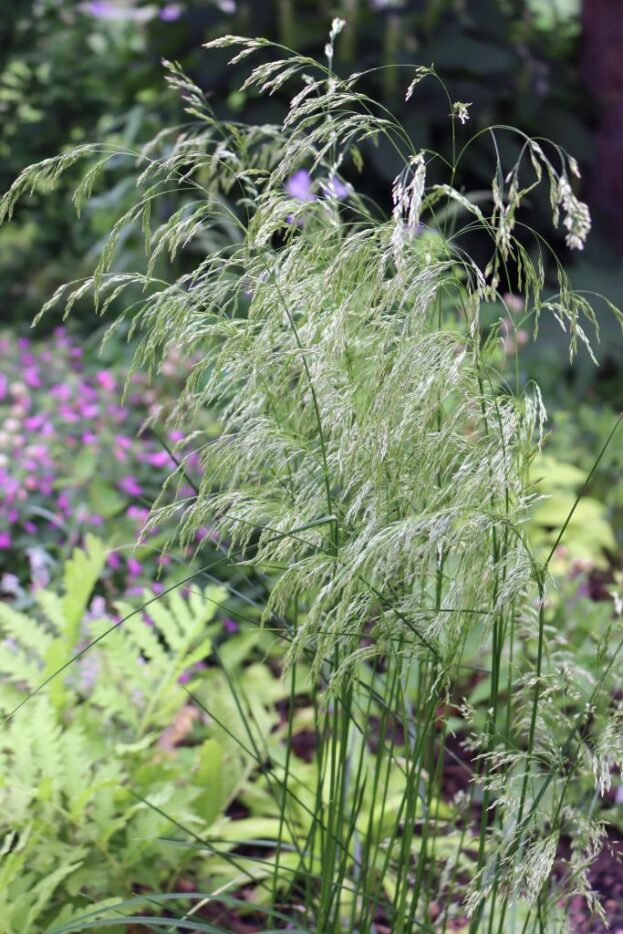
{"x": 61, "y": 391}
{"x": 5, "y": 540}
{"x": 34, "y": 423}
{"x": 134, "y": 567}
{"x": 106, "y": 380}
{"x": 160, "y": 459}
{"x": 113, "y": 561}
{"x": 131, "y": 486}
{"x": 139, "y": 513}
{"x": 136, "y": 591}
{"x": 68, "y": 414}
{"x": 32, "y": 378}
{"x": 63, "y": 503}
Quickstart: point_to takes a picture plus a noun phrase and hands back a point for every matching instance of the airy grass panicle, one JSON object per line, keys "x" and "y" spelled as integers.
{"x": 371, "y": 457}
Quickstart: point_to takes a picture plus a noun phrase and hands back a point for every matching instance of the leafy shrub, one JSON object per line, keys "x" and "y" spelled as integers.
{"x": 370, "y": 455}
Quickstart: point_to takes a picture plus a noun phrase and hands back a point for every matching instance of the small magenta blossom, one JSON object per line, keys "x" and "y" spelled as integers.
{"x": 131, "y": 486}
{"x": 159, "y": 459}
{"x": 134, "y": 567}
{"x": 113, "y": 561}
{"x": 61, "y": 391}
{"x": 54, "y": 410}
{"x": 138, "y": 514}
{"x": 106, "y": 380}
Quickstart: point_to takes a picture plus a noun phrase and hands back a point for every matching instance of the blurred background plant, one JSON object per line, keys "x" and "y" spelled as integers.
{"x": 72, "y": 71}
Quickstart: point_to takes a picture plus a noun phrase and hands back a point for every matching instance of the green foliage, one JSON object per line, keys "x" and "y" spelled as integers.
{"x": 588, "y": 537}
{"x": 92, "y": 773}
{"x": 60, "y": 82}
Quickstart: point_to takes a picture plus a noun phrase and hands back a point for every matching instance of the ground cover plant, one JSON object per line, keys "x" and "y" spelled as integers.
{"x": 74, "y": 459}
{"x": 94, "y": 771}
{"x": 373, "y": 461}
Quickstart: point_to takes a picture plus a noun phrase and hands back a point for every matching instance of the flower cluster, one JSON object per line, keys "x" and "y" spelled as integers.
{"x": 74, "y": 460}
{"x": 107, "y": 10}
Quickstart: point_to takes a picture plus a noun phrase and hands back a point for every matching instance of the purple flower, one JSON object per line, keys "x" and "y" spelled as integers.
{"x": 336, "y": 188}
{"x": 113, "y": 560}
{"x": 63, "y": 503}
{"x": 101, "y": 9}
{"x": 299, "y": 186}
{"x": 5, "y": 540}
{"x": 131, "y": 486}
{"x": 170, "y": 12}
{"x": 104, "y": 10}
{"x": 137, "y": 592}
{"x": 134, "y": 567}
{"x": 185, "y": 676}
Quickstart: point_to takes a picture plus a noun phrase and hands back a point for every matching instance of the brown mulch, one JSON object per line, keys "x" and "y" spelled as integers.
{"x": 606, "y": 877}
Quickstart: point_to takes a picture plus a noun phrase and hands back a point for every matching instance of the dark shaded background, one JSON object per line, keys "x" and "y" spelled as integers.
{"x": 71, "y": 72}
